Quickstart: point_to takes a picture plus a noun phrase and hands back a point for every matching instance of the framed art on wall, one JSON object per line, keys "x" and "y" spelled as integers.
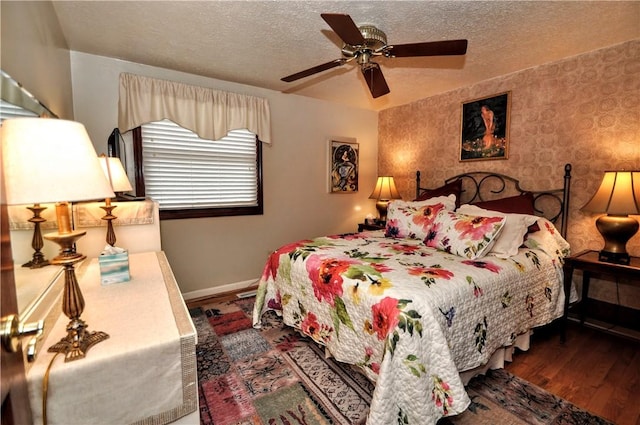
{"x": 344, "y": 158}
{"x": 485, "y": 128}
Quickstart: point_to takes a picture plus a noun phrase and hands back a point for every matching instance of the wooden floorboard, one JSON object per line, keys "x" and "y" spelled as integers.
{"x": 594, "y": 370}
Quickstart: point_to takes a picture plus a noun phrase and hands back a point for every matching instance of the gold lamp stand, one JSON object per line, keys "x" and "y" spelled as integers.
{"x": 38, "y": 260}
{"x": 109, "y": 217}
{"x": 78, "y": 340}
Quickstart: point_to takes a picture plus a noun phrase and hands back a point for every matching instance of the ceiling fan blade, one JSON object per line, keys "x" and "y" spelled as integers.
{"x": 314, "y": 70}
{"x": 344, "y": 26}
{"x": 375, "y": 80}
{"x": 433, "y": 48}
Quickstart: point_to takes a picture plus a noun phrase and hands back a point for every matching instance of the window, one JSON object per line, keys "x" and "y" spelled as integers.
{"x": 192, "y": 177}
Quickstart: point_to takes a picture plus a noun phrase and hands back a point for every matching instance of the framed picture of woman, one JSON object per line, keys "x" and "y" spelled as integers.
{"x": 485, "y": 128}
{"x": 343, "y": 166}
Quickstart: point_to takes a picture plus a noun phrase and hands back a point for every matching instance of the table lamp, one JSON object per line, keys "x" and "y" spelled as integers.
{"x": 51, "y": 160}
{"x": 618, "y": 197}
{"x": 114, "y": 171}
{"x": 384, "y": 191}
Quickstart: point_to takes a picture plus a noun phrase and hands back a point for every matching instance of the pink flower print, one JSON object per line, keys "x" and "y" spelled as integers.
{"x": 488, "y": 265}
{"x": 274, "y": 259}
{"x": 475, "y": 227}
{"x": 430, "y": 271}
{"x": 385, "y": 317}
{"x": 326, "y": 276}
{"x": 427, "y": 214}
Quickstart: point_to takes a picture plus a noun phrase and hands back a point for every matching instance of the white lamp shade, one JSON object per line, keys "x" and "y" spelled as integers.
{"x": 50, "y": 160}
{"x": 619, "y": 194}
{"x": 114, "y": 171}
{"x": 385, "y": 189}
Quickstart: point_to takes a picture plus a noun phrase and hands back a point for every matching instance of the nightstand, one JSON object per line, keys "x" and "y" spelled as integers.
{"x": 588, "y": 262}
{"x": 378, "y": 225}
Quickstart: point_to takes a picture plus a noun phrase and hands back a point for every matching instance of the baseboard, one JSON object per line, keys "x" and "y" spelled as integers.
{"x": 217, "y": 290}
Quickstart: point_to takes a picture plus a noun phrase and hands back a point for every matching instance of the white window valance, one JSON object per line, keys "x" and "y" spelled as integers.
{"x": 209, "y": 113}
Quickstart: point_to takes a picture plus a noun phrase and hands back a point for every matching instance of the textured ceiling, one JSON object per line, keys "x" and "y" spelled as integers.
{"x": 259, "y": 42}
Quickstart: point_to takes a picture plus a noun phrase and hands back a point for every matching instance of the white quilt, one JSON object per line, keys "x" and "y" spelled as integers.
{"x": 410, "y": 316}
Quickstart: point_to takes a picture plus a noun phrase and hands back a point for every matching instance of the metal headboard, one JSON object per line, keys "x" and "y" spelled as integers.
{"x": 478, "y": 186}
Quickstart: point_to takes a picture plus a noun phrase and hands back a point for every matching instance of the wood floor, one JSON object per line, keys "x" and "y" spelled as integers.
{"x": 594, "y": 370}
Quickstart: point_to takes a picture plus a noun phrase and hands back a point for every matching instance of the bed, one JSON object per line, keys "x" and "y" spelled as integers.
{"x": 459, "y": 277}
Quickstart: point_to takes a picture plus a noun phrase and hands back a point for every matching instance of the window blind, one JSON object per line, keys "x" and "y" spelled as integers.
{"x": 182, "y": 170}
{"x": 9, "y": 110}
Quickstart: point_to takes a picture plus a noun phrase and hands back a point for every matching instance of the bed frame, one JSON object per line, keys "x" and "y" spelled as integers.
{"x": 478, "y": 186}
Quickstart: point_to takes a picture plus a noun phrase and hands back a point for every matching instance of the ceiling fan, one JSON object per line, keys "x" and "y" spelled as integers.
{"x": 365, "y": 42}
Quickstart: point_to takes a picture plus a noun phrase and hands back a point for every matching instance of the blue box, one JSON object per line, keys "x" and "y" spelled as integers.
{"x": 114, "y": 268}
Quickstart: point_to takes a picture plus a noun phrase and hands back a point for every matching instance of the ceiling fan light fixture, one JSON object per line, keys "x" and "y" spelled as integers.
{"x": 374, "y": 41}
{"x": 364, "y": 42}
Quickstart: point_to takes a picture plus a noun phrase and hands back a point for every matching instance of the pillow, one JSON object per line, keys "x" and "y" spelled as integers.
{"x": 519, "y": 204}
{"x": 412, "y": 219}
{"x": 453, "y": 188}
{"x": 464, "y": 235}
{"x": 512, "y": 235}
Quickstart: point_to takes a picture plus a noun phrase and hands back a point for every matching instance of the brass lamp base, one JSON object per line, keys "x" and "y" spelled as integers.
{"x": 616, "y": 231}
{"x": 38, "y": 260}
{"x": 78, "y": 340}
{"x": 109, "y": 217}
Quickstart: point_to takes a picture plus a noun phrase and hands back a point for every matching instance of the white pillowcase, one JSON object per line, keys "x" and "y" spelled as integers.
{"x": 512, "y": 235}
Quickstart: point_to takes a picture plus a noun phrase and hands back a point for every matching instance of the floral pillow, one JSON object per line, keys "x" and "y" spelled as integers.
{"x": 413, "y": 219}
{"x": 469, "y": 236}
{"x": 512, "y": 235}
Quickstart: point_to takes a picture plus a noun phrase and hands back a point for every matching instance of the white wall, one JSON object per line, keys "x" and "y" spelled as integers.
{"x": 34, "y": 53}
{"x": 221, "y": 253}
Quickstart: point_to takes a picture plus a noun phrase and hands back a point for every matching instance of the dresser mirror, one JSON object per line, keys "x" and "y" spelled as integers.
{"x": 32, "y": 285}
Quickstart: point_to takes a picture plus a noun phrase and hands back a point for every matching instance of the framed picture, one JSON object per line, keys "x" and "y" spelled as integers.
{"x": 485, "y": 128}
{"x": 344, "y": 158}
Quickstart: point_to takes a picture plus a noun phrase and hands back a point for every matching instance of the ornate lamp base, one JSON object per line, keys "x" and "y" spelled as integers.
{"x": 38, "y": 260}
{"x": 78, "y": 340}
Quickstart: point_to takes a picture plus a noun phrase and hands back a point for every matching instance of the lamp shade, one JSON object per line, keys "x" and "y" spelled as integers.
{"x": 385, "y": 189}
{"x": 114, "y": 171}
{"x": 618, "y": 194}
{"x": 50, "y": 160}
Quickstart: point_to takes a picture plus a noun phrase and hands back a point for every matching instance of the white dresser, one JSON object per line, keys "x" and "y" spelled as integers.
{"x": 145, "y": 373}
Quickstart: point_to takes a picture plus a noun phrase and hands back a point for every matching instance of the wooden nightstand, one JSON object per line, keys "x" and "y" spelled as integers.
{"x": 588, "y": 262}
{"x": 376, "y": 226}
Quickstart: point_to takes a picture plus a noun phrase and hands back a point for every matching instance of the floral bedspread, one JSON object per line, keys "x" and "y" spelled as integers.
{"x": 410, "y": 316}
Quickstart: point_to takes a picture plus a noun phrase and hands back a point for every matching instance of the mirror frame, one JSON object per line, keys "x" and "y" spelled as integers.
{"x": 13, "y": 92}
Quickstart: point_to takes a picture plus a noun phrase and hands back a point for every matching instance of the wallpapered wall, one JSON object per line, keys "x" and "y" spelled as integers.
{"x": 583, "y": 110}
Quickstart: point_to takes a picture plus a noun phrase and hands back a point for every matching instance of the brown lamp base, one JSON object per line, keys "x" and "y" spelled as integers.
{"x": 382, "y": 206}
{"x": 615, "y": 257}
{"x": 616, "y": 231}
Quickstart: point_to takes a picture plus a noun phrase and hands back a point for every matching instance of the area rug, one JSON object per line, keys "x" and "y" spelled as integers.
{"x": 275, "y": 376}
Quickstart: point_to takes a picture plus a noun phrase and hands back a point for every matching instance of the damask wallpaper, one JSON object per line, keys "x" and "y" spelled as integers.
{"x": 583, "y": 110}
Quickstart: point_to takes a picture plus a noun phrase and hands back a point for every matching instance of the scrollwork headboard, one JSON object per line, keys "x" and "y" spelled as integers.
{"x": 478, "y": 186}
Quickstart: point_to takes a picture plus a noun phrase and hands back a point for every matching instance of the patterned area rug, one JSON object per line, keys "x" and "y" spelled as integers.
{"x": 275, "y": 376}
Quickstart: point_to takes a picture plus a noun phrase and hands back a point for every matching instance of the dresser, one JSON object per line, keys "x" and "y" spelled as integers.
{"x": 144, "y": 373}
